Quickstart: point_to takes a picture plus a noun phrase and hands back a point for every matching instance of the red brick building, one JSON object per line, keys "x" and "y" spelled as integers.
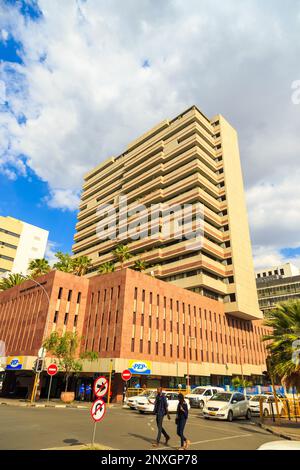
{"x": 130, "y": 317}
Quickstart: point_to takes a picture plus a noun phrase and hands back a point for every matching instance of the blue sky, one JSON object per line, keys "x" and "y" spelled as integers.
{"x": 79, "y": 82}
{"x": 25, "y": 196}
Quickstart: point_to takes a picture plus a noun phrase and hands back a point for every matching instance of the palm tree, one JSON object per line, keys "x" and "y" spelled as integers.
{"x": 284, "y": 321}
{"x": 11, "y": 281}
{"x": 64, "y": 263}
{"x": 81, "y": 264}
{"x": 140, "y": 265}
{"x": 107, "y": 267}
{"x": 122, "y": 254}
{"x": 38, "y": 267}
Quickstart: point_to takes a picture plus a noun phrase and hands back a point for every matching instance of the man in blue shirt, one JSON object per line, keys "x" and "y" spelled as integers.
{"x": 161, "y": 410}
{"x": 82, "y": 392}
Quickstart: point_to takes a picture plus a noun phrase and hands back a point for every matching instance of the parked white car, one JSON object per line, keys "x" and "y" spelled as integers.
{"x": 200, "y": 395}
{"x": 280, "y": 445}
{"x": 267, "y": 406}
{"x": 132, "y": 401}
{"x": 227, "y": 405}
{"x": 146, "y": 405}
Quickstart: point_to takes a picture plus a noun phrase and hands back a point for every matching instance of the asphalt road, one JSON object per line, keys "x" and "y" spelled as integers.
{"x": 41, "y": 428}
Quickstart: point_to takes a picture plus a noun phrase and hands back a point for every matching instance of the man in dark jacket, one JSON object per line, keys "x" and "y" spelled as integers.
{"x": 161, "y": 410}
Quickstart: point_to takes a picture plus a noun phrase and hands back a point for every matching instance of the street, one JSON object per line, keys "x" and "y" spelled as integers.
{"x": 42, "y": 428}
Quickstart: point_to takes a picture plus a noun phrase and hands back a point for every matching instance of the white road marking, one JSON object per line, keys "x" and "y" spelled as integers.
{"x": 214, "y": 440}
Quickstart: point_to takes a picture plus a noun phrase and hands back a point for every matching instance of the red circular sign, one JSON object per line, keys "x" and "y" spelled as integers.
{"x": 98, "y": 410}
{"x": 52, "y": 369}
{"x": 126, "y": 375}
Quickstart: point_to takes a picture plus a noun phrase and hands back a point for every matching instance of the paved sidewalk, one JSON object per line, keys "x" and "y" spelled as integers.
{"x": 43, "y": 403}
{"x": 282, "y": 428}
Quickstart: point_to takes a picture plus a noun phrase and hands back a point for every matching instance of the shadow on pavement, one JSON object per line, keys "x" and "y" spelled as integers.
{"x": 73, "y": 442}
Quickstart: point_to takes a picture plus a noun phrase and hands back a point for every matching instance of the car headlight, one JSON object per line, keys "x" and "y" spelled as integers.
{"x": 223, "y": 408}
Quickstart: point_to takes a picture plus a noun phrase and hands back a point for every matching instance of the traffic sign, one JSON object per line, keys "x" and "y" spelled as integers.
{"x": 100, "y": 386}
{"x": 98, "y": 410}
{"x": 126, "y": 375}
{"x": 52, "y": 369}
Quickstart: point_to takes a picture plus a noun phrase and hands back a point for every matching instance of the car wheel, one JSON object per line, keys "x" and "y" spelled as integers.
{"x": 248, "y": 414}
{"x": 266, "y": 413}
{"x": 142, "y": 412}
{"x": 201, "y": 404}
{"x": 230, "y": 416}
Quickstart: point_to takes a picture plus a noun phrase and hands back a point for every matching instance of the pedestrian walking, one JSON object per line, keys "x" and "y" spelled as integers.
{"x": 88, "y": 392}
{"x": 181, "y": 419}
{"x": 82, "y": 391}
{"x": 160, "y": 411}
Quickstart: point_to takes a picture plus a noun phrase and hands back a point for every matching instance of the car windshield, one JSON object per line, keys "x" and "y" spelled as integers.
{"x": 198, "y": 391}
{"x": 221, "y": 397}
{"x": 145, "y": 393}
{"x": 257, "y": 398}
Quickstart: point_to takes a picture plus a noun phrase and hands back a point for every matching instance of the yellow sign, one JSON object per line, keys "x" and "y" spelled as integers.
{"x": 14, "y": 362}
{"x": 140, "y": 367}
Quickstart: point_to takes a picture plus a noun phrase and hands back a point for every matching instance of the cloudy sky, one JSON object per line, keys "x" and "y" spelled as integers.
{"x": 79, "y": 79}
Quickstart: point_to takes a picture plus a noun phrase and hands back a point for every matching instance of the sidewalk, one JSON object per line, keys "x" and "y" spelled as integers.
{"x": 282, "y": 428}
{"x": 43, "y": 403}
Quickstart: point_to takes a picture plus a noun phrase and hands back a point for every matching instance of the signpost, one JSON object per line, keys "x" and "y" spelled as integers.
{"x": 98, "y": 408}
{"x": 126, "y": 375}
{"x": 52, "y": 369}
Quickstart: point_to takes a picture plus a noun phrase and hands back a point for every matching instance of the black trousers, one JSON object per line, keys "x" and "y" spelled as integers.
{"x": 180, "y": 428}
{"x": 160, "y": 429}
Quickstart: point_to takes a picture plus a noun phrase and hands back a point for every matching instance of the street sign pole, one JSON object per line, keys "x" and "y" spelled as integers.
{"x": 109, "y": 383}
{"x": 48, "y": 399}
{"x": 94, "y": 433}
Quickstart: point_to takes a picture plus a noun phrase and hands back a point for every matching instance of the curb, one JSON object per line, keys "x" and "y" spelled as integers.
{"x": 43, "y": 405}
{"x": 276, "y": 433}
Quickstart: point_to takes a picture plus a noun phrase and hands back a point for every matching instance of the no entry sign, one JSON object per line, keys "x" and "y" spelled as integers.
{"x": 52, "y": 369}
{"x": 126, "y": 375}
{"x": 98, "y": 409}
{"x": 100, "y": 386}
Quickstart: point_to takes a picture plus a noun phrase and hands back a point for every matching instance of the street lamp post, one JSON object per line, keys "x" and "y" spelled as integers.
{"x": 242, "y": 371}
{"x": 188, "y": 345}
{"x": 37, "y": 374}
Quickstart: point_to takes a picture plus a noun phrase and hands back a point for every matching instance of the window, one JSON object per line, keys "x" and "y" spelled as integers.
{"x": 132, "y": 344}
{"x": 60, "y": 292}
{"x": 69, "y": 296}
{"x": 79, "y": 297}
{"x": 75, "y": 320}
{"x": 55, "y": 317}
{"x": 66, "y": 318}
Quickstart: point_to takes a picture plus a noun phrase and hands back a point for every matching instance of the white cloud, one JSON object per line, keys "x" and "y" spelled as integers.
{"x": 51, "y": 249}
{"x": 85, "y": 93}
{"x": 64, "y": 199}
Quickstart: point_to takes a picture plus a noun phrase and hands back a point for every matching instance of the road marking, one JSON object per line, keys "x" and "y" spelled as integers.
{"x": 217, "y": 439}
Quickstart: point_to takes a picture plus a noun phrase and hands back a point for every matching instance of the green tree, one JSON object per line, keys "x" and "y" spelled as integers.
{"x": 284, "y": 322}
{"x": 140, "y": 265}
{"x": 65, "y": 348}
{"x": 11, "y": 280}
{"x": 64, "y": 263}
{"x": 122, "y": 254}
{"x": 107, "y": 267}
{"x": 238, "y": 382}
{"x": 80, "y": 265}
{"x": 38, "y": 267}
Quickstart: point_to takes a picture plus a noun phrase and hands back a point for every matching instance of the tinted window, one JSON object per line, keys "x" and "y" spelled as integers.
{"x": 221, "y": 397}
{"x": 207, "y": 393}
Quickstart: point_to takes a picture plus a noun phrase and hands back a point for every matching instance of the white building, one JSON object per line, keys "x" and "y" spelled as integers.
{"x": 283, "y": 270}
{"x": 20, "y": 243}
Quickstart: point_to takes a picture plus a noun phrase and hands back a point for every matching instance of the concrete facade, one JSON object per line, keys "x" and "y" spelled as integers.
{"x": 188, "y": 160}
